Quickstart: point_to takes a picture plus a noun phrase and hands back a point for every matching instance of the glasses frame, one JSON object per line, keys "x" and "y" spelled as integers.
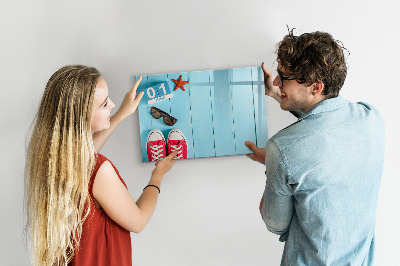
{"x": 282, "y": 78}
{"x": 163, "y": 115}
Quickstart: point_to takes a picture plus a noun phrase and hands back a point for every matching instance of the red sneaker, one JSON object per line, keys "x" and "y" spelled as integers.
{"x": 177, "y": 142}
{"x": 155, "y": 145}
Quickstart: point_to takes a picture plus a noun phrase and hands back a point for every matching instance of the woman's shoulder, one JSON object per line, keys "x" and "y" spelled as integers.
{"x": 106, "y": 168}
{"x": 100, "y": 158}
{"x": 102, "y": 162}
{"x": 99, "y": 161}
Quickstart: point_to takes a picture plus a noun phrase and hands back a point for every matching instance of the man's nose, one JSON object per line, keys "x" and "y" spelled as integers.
{"x": 277, "y": 81}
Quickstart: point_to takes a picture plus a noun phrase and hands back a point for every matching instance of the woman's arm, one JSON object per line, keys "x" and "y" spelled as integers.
{"x": 128, "y": 107}
{"x": 116, "y": 201}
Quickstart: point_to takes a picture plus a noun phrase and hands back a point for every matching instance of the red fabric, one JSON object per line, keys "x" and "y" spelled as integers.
{"x": 178, "y": 145}
{"x": 103, "y": 241}
{"x": 156, "y": 150}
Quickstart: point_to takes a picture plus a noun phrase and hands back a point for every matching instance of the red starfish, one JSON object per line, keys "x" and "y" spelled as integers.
{"x": 179, "y": 83}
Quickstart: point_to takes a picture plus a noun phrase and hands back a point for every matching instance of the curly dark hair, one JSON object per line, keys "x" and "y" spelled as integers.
{"x": 314, "y": 57}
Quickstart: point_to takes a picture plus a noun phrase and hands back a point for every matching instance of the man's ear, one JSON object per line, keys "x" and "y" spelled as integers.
{"x": 317, "y": 88}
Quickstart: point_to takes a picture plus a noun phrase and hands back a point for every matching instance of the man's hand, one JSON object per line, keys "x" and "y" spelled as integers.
{"x": 259, "y": 154}
{"x": 270, "y": 89}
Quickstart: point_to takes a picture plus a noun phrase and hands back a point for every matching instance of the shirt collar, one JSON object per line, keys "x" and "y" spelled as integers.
{"x": 325, "y": 106}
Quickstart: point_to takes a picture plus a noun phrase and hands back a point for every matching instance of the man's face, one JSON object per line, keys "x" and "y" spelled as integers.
{"x": 294, "y": 96}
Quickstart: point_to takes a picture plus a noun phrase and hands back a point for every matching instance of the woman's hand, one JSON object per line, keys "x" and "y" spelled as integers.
{"x": 128, "y": 107}
{"x": 270, "y": 89}
{"x": 131, "y": 101}
{"x": 164, "y": 165}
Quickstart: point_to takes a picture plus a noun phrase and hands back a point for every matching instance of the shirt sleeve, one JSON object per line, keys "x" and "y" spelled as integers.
{"x": 277, "y": 208}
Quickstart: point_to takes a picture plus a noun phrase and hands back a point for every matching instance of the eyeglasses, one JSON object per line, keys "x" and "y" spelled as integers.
{"x": 282, "y": 78}
{"x": 157, "y": 113}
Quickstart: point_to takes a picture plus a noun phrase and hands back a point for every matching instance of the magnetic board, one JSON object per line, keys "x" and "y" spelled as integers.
{"x": 217, "y": 110}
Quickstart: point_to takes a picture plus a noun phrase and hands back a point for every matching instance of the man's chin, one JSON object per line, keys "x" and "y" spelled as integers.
{"x": 284, "y": 107}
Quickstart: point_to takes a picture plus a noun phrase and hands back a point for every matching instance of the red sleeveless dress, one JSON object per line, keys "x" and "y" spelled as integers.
{"x": 103, "y": 241}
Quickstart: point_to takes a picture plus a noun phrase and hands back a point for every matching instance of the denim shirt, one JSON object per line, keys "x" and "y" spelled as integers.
{"x": 323, "y": 175}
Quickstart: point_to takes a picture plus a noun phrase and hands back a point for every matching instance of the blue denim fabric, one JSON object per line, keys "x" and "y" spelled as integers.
{"x": 323, "y": 175}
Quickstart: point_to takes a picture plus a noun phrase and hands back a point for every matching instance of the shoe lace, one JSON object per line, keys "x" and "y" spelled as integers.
{"x": 156, "y": 152}
{"x": 178, "y": 147}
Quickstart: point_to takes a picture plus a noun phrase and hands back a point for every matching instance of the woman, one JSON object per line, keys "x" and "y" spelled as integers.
{"x": 79, "y": 209}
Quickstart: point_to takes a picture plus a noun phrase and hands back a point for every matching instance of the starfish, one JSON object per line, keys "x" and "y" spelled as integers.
{"x": 179, "y": 83}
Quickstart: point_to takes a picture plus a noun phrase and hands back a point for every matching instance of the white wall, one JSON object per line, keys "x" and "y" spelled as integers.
{"x": 208, "y": 208}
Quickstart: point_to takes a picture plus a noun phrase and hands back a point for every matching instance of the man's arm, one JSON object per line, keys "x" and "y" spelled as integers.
{"x": 270, "y": 89}
{"x": 274, "y": 91}
{"x": 259, "y": 153}
{"x": 276, "y": 205}
{"x": 261, "y": 203}
{"x": 128, "y": 107}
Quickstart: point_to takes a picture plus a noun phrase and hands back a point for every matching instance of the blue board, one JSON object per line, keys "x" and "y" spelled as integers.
{"x": 218, "y": 111}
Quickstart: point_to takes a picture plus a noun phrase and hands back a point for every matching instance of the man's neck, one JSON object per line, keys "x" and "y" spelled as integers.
{"x": 316, "y": 100}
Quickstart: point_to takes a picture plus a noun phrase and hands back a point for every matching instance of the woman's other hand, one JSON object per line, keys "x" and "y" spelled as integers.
{"x": 131, "y": 101}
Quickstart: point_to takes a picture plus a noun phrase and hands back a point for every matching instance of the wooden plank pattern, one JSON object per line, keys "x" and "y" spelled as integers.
{"x": 223, "y": 117}
{"x": 180, "y": 109}
{"x": 202, "y": 114}
{"x": 260, "y": 111}
{"x": 243, "y": 113}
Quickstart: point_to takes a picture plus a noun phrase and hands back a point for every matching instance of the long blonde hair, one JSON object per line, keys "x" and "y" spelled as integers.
{"x": 59, "y": 161}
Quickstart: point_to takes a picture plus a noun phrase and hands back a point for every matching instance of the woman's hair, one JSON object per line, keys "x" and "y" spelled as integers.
{"x": 314, "y": 57}
{"x": 59, "y": 161}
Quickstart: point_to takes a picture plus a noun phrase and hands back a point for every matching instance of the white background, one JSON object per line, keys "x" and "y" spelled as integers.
{"x": 208, "y": 208}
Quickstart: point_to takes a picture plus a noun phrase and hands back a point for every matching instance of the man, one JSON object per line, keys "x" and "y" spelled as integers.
{"x": 323, "y": 171}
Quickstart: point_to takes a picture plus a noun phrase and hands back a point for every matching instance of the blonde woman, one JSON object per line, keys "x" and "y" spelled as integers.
{"x": 78, "y": 207}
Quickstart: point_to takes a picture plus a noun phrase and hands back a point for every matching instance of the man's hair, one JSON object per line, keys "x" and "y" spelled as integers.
{"x": 314, "y": 57}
